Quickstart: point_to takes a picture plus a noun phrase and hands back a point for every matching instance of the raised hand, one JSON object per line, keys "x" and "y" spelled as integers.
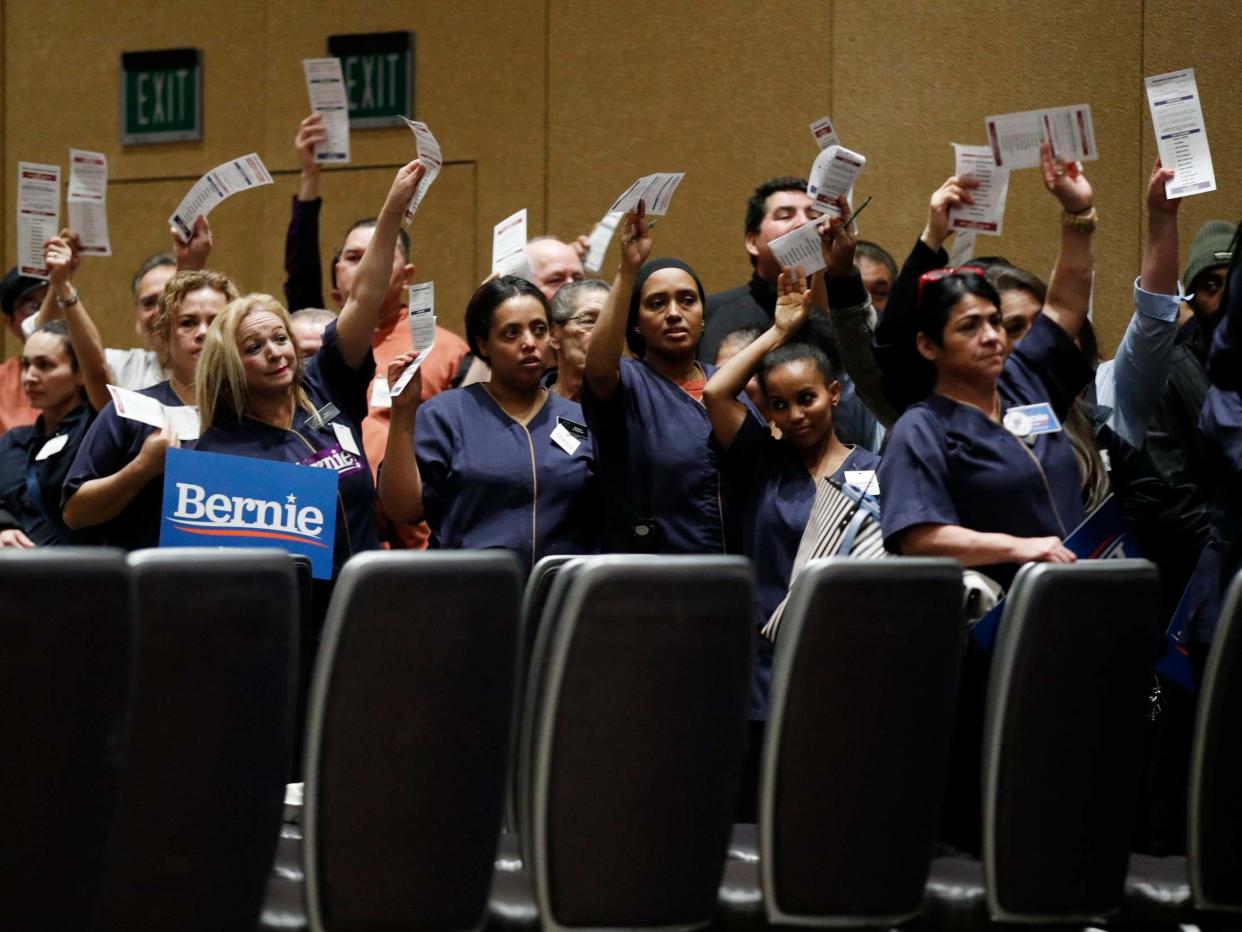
{"x": 838, "y": 239}
{"x": 635, "y": 238}
{"x": 61, "y": 258}
{"x": 792, "y": 301}
{"x": 412, "y": 393}
{"x": 311, "y": 133}
{"x": 404, "y": 185}
{"x": 1066, "y": 182}
{"x": 1157, "y": 202}
{"x": 193, "y": 255}
{"x": 955, "y": 192}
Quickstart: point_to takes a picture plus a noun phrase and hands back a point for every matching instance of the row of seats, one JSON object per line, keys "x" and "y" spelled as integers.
{"x": 571, "y": 757}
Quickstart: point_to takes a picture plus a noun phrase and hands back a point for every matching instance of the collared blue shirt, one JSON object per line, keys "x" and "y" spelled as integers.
{"x": 490, "y": 482}
{"x": 652, "y": 447}
{"x": 40, "y": 521}
{"x": 949, "y": 463}
{"x": 327, "y": 379}
{"x": 112, "y": 443}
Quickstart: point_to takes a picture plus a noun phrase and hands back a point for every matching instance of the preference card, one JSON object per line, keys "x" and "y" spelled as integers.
{"x": 220, "y": 183}
{"x": 38, "y": 214}
{"x": 422, "y": 302}
{"x": 801, "y": 247}
{"x": 987, "y": 213}
{"x": 656, "y": 190}
{"x": 601, "y": 236}
{"x": 509, "y": 245}
{"x": 325, "y": 86}
{"x": 1181, "y": 135}
{"x": 1015, "y": 137}
{"x": 146, "y": 410}
{"x": 832, "y": 175}
{"x": 88, "y": 201}
{"x": 432, "y": 159}
{"x": 825, "y": 135}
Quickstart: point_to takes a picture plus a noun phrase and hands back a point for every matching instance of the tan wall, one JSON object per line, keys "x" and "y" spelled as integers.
{"x": 557, "y": 105}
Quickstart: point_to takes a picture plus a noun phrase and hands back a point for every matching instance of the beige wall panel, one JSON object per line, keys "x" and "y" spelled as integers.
{"x": 720, "y": 90}
{"x": 60, "y": 95}
{"x": 909, "y": 78}
{"x": 1176, "y": 38}
{"x": 479, "y": 85}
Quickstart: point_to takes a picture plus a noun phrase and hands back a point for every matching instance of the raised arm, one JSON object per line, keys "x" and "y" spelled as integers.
{"x": 303, "y": 272}
{"x": 1069, "y": 289}
{"x": 603, "y": 361}
{"x": 60, "y": 255}
{"x": 360, "y": 315}
{"x": 192, "y": 256}
{"x": 727, "y": 414}
{"x": 400, "y": 483}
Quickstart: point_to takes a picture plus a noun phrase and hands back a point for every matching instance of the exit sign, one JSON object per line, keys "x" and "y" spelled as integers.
{"x": 379, "y": 76}
{"x": 161, "y": 96}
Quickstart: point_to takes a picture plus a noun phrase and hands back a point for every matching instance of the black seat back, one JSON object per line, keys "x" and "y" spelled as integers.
{"x": 65, "y": 632}
{"x": 408, "y": 740}
{"x": 1066, "y": 719}
{"x": 856, "y": 752}
{"x": 1214, "y": 826}
{"x": 207, "y": 751}
{"x": 638, "y": 734}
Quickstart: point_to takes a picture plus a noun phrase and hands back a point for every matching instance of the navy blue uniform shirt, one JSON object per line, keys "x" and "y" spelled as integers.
{"x": 40, "y": 521}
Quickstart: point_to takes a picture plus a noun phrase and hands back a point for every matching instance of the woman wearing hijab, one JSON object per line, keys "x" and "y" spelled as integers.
{"x": 646, "y": 414}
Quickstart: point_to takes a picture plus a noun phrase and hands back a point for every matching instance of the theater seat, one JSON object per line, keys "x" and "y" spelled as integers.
{"x": 65, "y": 642}
{"x": 636, "y": 712}
{"x": 210, "y": 732}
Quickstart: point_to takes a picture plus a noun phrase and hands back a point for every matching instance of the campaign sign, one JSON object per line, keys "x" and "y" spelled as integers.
{"x": 1101, "y": 536}
{"x": 213, "y": 500}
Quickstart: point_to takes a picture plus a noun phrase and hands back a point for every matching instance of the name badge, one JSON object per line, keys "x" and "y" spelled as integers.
{"x": 1031, "y": 420}
{"x": 51, "y": 448}
{"x": 564, "y": 438}
{"x": 345, "y": 437}
{"x": 865, "y": 480}
{"x": 344, "y": 462}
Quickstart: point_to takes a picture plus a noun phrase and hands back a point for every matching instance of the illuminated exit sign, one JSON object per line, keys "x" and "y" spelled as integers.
{"x": 379, "y": 76}
{"x": 161, "y": 96}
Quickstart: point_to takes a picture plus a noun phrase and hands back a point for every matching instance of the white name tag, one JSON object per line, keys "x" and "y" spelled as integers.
{"x": 379, "y": 393}
{"x": 864, "y": 480}
{"x": 345, "y": 437}
{"x": 565, "y": 440}
{"x": 1032, "y": 420}
{"x": 52, "y": 447}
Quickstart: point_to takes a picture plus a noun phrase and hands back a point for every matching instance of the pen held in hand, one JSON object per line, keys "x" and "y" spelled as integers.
{"x": 861, "y": 208}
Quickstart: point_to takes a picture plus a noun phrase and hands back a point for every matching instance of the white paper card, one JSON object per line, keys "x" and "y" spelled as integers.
{"x": 221, "y": 182}
{"x": 987, "y": 213}
{"x": 325, "y": 86}
{"x": 52, "y": 447}
{"x": 380, "y": 397}
{"x": 38, "y": 214}
{"x": 800, "y": 247}
{"x": 864, "y": 480}
{"x": 1181, "y": 135}
{"x": 1015, "y": 137}
{"x": 88, "y": 201}
{"x": 824, "y": 133}
{"x": 509, "y": 245}
{"x": 601, "y": 236}
{"x": 432, "y": 159}
{"x": 422, "y": 303}
{"x": 345, "y": 437}
{"x": 832, "y": 175}
{"x": 656, "y": 190}
{"x": 146, "y": 410}
{"x": 963, "y": 248}
{"x": 565, "y": 440}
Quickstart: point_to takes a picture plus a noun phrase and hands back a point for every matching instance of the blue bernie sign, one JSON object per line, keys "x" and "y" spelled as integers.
{"x": 213, "y": 500}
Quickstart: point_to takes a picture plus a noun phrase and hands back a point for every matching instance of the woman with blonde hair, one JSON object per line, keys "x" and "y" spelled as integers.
{"x": 115, "y": 484}
{"x": 258, "y": 397}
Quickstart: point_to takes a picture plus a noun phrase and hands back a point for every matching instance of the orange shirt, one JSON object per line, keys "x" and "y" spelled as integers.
{"x": 390, "y": 340}
{"x": 15, "y": 409}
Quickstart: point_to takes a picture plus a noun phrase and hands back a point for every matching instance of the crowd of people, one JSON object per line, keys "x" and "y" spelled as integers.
{"x": 867, "y": 409}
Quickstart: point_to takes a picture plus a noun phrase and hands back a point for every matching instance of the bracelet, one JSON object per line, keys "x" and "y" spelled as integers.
{"x": 1083, "y": 222}
{"x": 66, "y": 303}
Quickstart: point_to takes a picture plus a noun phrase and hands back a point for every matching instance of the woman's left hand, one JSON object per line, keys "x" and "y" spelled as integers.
{"x": 412, "y": 393}
{"x": 1066, "y": 182}
{"x": 792, "y": 301}
{"x": 404, "y": 185}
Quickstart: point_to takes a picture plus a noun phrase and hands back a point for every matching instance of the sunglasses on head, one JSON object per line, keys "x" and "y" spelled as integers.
{"x": 936, "y": 275}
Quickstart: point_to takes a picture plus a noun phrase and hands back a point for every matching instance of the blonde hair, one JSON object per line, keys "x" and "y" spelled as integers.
{"x": 220, "y": 383}
{"x": 171, "y": 297}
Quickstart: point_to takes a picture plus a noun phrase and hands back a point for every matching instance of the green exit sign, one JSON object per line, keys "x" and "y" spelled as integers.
{"x": 161, "y": 96}
{"x": 378, "y": 68}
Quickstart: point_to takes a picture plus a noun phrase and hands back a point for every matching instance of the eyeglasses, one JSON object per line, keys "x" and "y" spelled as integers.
{"x": 936, "y": 275}
{"x": 584, "y": 321}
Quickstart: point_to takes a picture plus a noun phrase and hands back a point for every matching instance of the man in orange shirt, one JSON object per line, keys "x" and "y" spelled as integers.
{"x": 20, "y": 297}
